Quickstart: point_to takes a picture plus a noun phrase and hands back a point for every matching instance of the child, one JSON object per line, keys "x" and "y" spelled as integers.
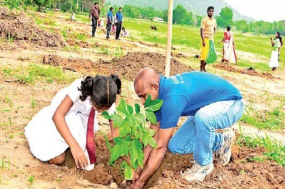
{"x": 276, "y": 44}
{"x": 71, "y": 120}
{"x": 113, "y": 28}
{"x": 102, "y": 24}
{"x": 125, "y": 33}
{"x": 72, "y": 18}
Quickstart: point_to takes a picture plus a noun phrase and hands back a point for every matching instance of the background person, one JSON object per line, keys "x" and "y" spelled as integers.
{"x": 109, "y": 22}
{"x": 276, "y": 44}
{"x": 229, "y": 54}
{"x": 125, "y": 33}
{"x": 94, "y": 16}
{"x": 119, "y": 17}
{"x": 208, "y": 30}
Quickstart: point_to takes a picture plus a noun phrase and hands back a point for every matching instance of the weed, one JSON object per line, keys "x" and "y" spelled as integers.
{"x": 8, "y": 100}
{"x": 31, "y": 179}
{"x": 34, "y": 103}
{"x": 2, "y": 163}
{"x": 275, "y": 150}
{"x": 105, "y": 50}
{"x": 81, "y": 37}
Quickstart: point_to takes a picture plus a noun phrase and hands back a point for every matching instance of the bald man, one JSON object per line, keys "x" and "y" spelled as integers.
{"x": 210, "y": 101}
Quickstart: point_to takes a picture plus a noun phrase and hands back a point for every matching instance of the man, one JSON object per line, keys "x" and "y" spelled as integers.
{"x": 119, "y": 17}
{"x": 210, "y": 101}
{"x": 109, "y": 22}
{"x": 125, "y": 33}
{"x": 208, "y": 30}
{"x": 94, "y": 16}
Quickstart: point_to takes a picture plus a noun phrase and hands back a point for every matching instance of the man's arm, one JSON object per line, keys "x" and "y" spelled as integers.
{"x": 90, "y": 14}
{"x": 202, "y": 36}
{"x": 155, "y": 158}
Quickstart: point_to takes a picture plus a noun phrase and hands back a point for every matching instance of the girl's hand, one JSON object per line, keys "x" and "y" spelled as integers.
{"x": 79, "y": 157}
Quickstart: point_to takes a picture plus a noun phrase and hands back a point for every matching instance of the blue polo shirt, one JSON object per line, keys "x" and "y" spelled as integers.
{"x": 184, "y": 94}
{"x": 110, "y": 14}
{"x": 119, "y": 16}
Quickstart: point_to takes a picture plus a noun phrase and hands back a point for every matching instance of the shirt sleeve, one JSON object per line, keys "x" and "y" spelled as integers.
{"x": 203, "y": 24}
{"x": 73, "y": 90}
{"x": 171, "y": 111}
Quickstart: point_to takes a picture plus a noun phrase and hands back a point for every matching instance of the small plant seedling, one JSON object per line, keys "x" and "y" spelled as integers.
{"x": 34, "y": 103}
{"x": 133, "y": 135}
{"x": 31, "y": 179}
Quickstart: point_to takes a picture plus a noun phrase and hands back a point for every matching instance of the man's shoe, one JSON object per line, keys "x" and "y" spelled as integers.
{"x": 197, "y": 172}
{"x": 223, "y": 155}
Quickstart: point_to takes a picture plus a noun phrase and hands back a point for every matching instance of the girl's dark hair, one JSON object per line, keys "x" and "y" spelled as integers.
{"x": 103, "y": 90}
{"x": 280, "y": 38}
{"x": 228, "y": 28}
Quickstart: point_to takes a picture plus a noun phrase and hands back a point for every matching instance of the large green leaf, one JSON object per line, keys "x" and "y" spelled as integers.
{"x": 134, "y": 155}
{"x": 122, "y": 107}
{"x": 147, "y": 101}
{"x": 147, "y": 138}
{"x": 118, "y": 140}
{"x": 125, "y": 127}
{"x": 130, "y": 109}
{"x": 128, "y": 172}
{"x": 137, "y": 108}
{"x": 155, "y": 105}
{"x": 118, "y": 151}
{"x": 150, "y": 116}
{"x": 117, "y": 120}
{"x": 106, "y": 115}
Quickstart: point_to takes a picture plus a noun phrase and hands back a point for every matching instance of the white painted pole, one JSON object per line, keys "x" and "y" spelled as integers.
{"x": 169, "y": 38}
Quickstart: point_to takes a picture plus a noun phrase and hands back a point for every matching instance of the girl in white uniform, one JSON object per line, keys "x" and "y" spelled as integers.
{"x": 63, "y": 124}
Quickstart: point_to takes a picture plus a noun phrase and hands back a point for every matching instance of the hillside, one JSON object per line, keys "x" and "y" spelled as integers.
{"x": 199, "y": 7}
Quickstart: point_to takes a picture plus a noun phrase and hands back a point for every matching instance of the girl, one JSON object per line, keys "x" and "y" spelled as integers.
{"x": 229, "y": 54}
{"x": 276, "y": 44}
{"x": 71, "y": 120}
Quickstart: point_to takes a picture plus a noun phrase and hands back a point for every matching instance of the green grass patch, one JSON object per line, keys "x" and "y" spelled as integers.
{"x": 275, "y": 150}
{"x": 29, "y": 74}
{"x": 271, "y": 120}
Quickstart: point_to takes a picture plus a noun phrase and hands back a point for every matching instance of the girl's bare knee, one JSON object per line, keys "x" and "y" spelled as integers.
{"x": 58, "y": 160}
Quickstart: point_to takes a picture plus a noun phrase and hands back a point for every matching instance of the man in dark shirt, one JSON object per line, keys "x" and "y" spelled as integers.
{"x": 94, "y": 16}
{"x": 119, "y": 17}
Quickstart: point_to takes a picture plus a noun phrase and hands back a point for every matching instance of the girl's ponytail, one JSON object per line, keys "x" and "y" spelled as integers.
{"x": 118, "y": 82}
{"x": 86, "y": 87}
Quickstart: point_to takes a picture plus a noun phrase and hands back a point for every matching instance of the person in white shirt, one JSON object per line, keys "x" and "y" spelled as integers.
{"x": 125, "y": 33}
{"x": 71, "y": 118}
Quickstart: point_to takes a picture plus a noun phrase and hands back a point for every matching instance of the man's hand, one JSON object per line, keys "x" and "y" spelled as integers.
{"x": 136, "y": 185}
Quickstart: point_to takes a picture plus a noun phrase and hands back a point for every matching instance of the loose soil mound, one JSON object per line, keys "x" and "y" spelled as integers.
{"x": 239, "y": 173}
{"x": 127, "y": 66}
{"x": 252, "y": 72}
{"x": 21, "y": 27}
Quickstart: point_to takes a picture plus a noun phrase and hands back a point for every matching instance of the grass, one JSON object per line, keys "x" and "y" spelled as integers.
{"x": 29, "y": 74}
{"x": 188, "y": 37}
{"x": 272, "y": 120}
{"x": 275, "y": 150}
{"x": 31, "y": 179}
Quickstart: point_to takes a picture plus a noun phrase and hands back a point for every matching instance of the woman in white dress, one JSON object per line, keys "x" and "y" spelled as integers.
{"x": 276, "y": 44}
{"x": 63, "y": 124}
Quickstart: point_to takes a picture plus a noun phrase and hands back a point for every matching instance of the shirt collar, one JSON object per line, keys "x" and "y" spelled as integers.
{"x": 161, "y": 86}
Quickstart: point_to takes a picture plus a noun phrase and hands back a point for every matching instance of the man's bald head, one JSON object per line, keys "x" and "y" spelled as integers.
{"x": 147, "y": 82}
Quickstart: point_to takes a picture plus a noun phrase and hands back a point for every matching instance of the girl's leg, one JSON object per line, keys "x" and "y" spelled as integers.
{"x": 58, "y": 160}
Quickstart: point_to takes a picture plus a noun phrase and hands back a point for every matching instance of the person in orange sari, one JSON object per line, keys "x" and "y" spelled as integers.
{"x": 229, "y": 54}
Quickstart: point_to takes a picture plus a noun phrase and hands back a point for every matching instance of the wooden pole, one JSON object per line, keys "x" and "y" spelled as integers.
{"x": 169, "y": 38}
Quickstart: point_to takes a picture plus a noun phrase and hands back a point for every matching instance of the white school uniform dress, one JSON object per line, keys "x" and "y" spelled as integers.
{"x": 44, "y": 139}
{"x": 274, "y": 63}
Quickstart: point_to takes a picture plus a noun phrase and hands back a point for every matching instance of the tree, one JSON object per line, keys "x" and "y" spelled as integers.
{"x": 179, "y": 15}
{"x": 42, "y": 3}
{"x": 226, "y": 17}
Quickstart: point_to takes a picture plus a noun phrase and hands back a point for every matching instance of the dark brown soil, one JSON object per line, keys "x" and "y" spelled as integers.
{"x": 126, "y": 67}
{"x": 239, "y": 173}
{"x": 252, "y": 72}
{"x": 20, "y": 27}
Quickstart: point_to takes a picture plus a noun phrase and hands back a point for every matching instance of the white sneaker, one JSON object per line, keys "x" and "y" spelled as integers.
{"x": 223, "y": 155}
{"x": 197, "y": 172}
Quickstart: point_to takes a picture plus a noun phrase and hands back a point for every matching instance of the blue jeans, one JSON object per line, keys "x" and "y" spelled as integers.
{"x": 197, "y": 135}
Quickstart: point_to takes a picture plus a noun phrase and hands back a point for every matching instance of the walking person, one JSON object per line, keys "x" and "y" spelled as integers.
{"x": 109, "y": 22}
{"x": 119, "y": 17}
{"x": 229, "y": 54}
{"x": 208, "y": 30}
{"x": 94, "y": 16}
{"x": 276, "y": 44}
